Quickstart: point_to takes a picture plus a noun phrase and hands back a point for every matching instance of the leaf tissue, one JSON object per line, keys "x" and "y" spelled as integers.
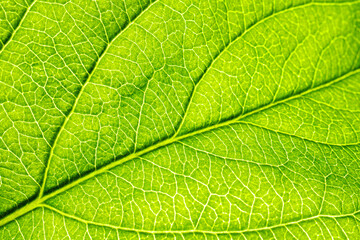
{"x": 179, "y": 119}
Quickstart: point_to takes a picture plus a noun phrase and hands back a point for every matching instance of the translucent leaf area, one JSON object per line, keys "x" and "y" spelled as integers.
{"x": 179, "y": 119}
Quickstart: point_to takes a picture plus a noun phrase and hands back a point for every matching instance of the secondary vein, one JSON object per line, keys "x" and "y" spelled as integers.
{"x": 102, "y": 54}
{"x": 18, "y": 26}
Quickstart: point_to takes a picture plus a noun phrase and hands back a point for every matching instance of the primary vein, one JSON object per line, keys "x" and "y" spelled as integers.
{"x": 36, "y": 203}
{"x": 64, "y": 214}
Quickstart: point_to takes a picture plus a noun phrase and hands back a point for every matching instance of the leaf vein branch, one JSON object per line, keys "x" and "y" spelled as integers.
{"x": 295, "y": 136}
{"x": 232, "y": 41}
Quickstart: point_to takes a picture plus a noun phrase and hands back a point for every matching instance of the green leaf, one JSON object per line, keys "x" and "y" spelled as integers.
{"x": 166, "y": 119}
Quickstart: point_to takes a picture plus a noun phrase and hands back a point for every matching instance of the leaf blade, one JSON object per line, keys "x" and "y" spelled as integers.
{"x": 231, "y": 176}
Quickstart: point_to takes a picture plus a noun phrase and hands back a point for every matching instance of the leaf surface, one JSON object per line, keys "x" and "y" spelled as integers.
{"x": 179, "y": 119}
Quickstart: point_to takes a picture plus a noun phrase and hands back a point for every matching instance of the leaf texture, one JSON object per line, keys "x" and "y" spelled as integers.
{"x": 194, "y": 119}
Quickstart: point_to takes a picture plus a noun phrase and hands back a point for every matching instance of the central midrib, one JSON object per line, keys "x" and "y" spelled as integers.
{"x": 37, "y": 202}
{"x": 294, "y": 222}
